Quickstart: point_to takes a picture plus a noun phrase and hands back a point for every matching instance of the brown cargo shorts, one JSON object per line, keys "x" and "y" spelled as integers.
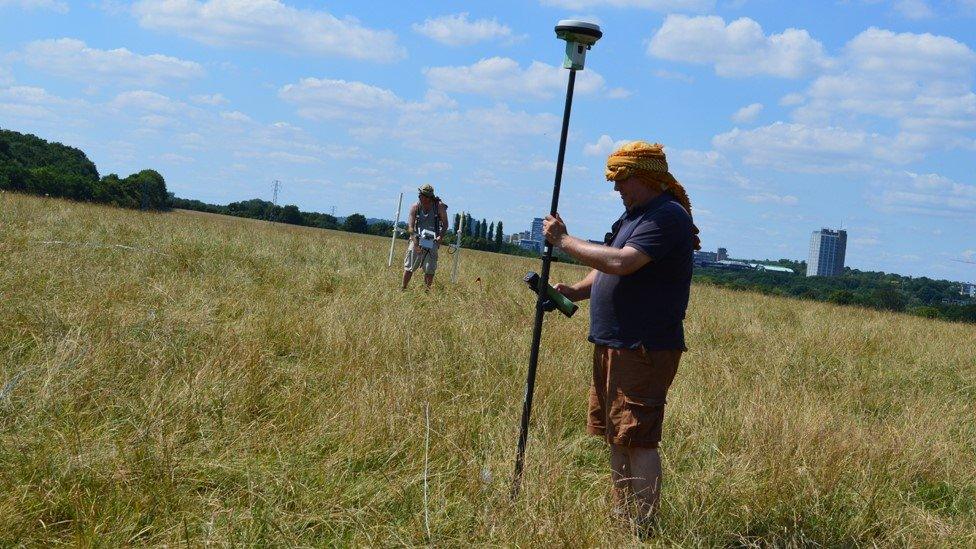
{"x": 418, "y": 257}
{"x": 628, "y": 393}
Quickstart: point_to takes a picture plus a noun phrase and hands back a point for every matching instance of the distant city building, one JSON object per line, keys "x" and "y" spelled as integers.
{"x": 827, "y": 252}
{"x": 537, "y": 229}
{"x": 529, "y": 244}
{"x": 703, "y": 257}
{"x": 531, "y": 239}
{"x": 771, "y": 268}
{"x": 968, "y": 289}
{"x": 722, "y": 254}
{"x": 730, "y": 265}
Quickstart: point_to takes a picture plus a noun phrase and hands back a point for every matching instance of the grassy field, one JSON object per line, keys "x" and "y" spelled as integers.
{"x": 220, "y": 381}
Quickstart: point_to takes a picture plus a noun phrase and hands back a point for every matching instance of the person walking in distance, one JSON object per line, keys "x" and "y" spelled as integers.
{"x": 638, "y": 289}
{"x": 426, "y": 224}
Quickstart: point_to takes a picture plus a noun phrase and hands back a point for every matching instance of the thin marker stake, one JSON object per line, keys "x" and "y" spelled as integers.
{"x": 396, "y": 230}
{"x": 426, "y": 453}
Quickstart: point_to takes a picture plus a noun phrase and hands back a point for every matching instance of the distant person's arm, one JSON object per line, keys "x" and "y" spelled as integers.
{"x": 580, "y": 290}
{"x": 606, "y": 259}
{"x": 412, "y": 223}
{"x": 443, "y": 215}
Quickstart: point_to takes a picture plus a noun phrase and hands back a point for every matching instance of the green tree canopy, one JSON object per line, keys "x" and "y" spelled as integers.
{"x": 291, "y": 214}
{"x": 32, "y": 165}
{"x": 355, "y": 223}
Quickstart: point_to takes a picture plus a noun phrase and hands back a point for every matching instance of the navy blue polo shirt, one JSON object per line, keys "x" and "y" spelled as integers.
{"x": 647, "y": 307}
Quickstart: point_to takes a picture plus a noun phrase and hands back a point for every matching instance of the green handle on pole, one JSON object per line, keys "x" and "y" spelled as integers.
{"x": 558, "y": 300}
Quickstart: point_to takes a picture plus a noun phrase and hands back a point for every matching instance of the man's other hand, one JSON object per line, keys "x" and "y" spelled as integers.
{"x": 570, "y": 292}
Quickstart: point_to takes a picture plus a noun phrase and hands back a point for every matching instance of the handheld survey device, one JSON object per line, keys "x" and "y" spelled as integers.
{"x": 554, "y": 300}
{"x": 427, "y": 237}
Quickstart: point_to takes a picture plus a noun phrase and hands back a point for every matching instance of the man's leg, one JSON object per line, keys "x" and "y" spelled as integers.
{"x": 406, "y": 278}
{"x": 621, "y": 494}
{"x": 645, "y": 479}
{"x": 430, "y": 265}
{"x": 635, "y": 474}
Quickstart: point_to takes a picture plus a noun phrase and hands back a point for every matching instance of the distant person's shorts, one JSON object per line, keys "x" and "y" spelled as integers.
{"x": 418, "y": 257}
{"x": 628, "y": 393}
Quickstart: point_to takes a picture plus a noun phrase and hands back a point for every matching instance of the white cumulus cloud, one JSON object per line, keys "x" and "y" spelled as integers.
{"x": 149, "y": 101}
{"x": 655, "y": 5}
{"x": 772, "y": 198}
{"x": 914, "y": 9}
{"x": 268, "y": 24}
{"x": 887, "y": 99}
{"x": 503, "y": 77}
{"x": 215, "y": 99}
{"x": 739, "y": 48}
{"x": 30, "y": 103}
{"x": 70, "y": 58}
{"x": 457, "y": 30}
{"x": 929, "y": 194}
{"x": 747, "y": 113}
{"x": 496, "y": 132}
{"x": 53, "y": 5}
{"x": 603, "y": 146}
{"x": 811, "y": 149}
{"x": 236, "y": 116}
{"x": 922, "y": 82}
{"x": 327, "y": 98}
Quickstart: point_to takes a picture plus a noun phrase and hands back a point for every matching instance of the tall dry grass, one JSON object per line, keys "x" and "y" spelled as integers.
{"x": 232, "y": 382}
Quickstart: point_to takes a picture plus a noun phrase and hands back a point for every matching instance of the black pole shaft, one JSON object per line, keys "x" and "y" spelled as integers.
{"x": 543, "y": 283}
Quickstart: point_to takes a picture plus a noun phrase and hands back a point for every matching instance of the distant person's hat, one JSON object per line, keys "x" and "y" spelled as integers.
{"x": 427, "y": 190}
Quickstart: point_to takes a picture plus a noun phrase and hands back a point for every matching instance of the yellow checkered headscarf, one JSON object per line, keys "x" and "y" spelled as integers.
{"x": 647, "y": 162}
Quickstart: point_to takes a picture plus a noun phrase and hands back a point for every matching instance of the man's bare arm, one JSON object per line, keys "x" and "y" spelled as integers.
{"x": 443, "y": 216}
{"x": 412, "y": 221}
{"x": 607, "y": 259}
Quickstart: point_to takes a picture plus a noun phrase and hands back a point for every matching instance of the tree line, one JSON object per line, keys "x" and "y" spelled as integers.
{"x": 920, "y": 296}
{"x": 31, "y": 165}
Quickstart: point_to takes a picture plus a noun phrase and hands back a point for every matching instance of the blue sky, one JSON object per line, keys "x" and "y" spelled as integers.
{"x": 779, "y": 118}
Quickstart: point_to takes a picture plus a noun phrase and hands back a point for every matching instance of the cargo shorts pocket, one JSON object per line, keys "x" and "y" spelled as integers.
{"x": 638, "y": 421}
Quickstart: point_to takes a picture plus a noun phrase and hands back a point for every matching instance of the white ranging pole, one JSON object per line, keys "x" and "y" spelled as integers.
{"x": 457, "y": 248}
{"x": 396, "y": 231}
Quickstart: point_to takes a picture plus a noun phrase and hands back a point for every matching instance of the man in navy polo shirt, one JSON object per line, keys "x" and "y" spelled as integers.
{"x": 638, "y": 291}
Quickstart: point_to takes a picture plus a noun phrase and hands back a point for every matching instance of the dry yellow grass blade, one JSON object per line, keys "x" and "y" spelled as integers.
{"x": 226, "y": 381}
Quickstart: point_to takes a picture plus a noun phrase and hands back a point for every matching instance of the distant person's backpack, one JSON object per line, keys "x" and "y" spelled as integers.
{"x": 437, "y": 214}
